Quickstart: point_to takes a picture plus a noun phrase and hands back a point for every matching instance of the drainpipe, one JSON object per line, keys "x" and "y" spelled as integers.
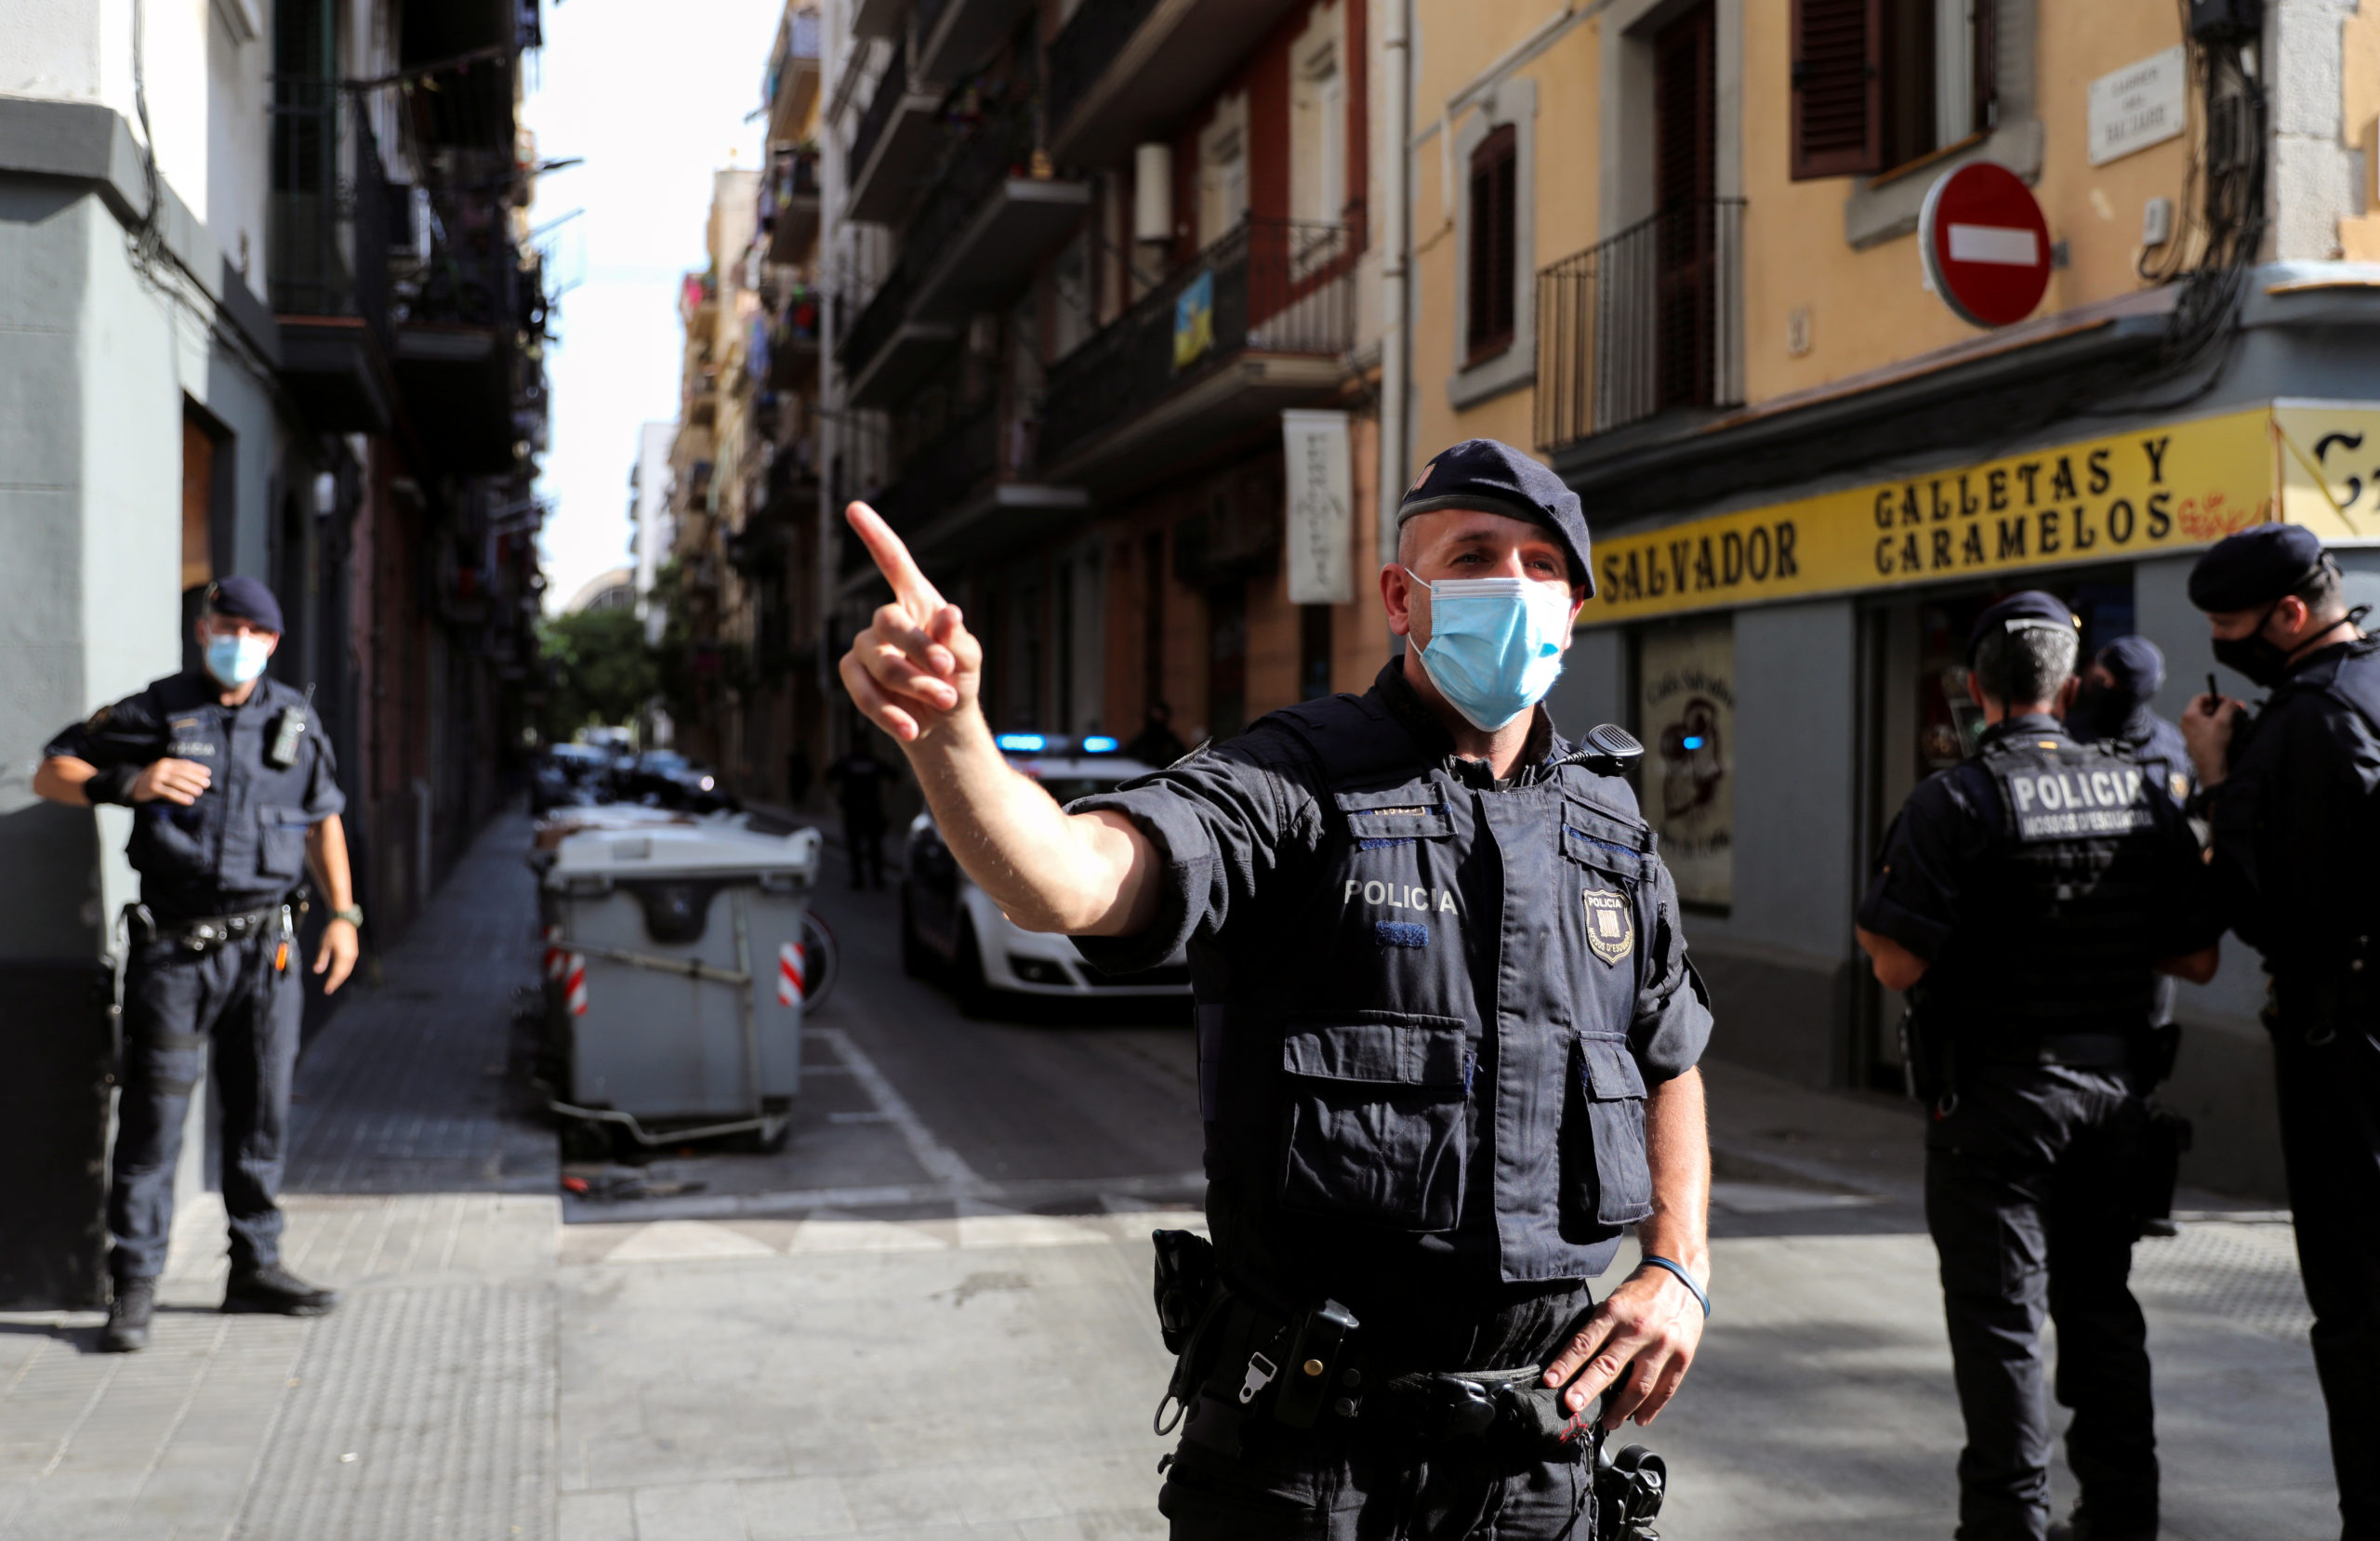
{"x": 1396, "y": 305}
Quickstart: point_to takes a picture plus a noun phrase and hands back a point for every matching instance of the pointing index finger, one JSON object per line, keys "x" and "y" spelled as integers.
{"x": 917, "y": 596}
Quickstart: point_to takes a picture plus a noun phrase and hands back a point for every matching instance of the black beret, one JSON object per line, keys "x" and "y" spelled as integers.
{"x": 1496, "y": 478}
{"x": 2254, "y": 567}
{"x": 248, "y": 599}
{"x": 2135, "y": 664}
{"x": 2027, "y": 610}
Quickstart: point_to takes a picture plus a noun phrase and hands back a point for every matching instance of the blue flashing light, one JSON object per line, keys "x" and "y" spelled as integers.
{"x": 1022, "y": 743}
{"x": 1693, "y": 741}
{"x": 1099, "y": 743}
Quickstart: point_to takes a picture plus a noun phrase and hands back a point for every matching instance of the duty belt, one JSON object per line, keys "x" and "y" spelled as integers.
{"x": 205, "y": 933}
{"x": 2074, "y": 1050}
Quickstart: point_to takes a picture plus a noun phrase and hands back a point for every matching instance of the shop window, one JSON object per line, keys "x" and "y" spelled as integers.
{"x": 1879, "y": 83}
{"x": 1685, "y": 713}
{"x": 1489, "y": 315}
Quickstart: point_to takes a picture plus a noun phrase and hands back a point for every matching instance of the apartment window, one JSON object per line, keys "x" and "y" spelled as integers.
{"x": 1879, "y": 83}
{"x": 1494, "y": 235}
{"x": 1319, "y": 136}
{"x": 1222, "y": 171}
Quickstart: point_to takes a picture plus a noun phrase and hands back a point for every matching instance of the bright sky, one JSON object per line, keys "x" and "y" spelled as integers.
{"x": 654, "y": 97}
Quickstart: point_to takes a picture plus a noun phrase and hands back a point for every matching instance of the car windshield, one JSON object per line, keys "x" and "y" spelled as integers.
{"x": 664, "y": 760}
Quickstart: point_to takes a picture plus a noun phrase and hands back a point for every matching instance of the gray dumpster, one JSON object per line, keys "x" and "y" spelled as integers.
{"x": 676, "y": 953}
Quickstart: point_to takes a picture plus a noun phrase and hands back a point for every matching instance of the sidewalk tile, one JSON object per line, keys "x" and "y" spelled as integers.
{"x": 794, "y": 1508}
{"x": 607, "y": 1516}
{"x": 692, "y": 1512}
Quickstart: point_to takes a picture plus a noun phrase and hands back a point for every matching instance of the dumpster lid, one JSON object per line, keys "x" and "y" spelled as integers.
{"x": 712, "y": 845}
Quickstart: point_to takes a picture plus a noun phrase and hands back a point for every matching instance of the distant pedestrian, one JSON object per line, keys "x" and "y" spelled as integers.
{"x": 2111, "y": 704}
{"x": 2293, "y": 794}
{"x": 1156, "y": 742}
{"x": 231, "y": 784}
{"x": 2026, "y": 901}
{"x": 859, "y": 779}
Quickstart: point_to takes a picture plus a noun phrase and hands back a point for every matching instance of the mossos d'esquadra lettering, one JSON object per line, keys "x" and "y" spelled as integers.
{"x": 1418, "y": 897}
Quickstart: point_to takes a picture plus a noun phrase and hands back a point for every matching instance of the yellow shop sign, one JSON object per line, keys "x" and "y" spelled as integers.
{"x": 2171, "y": 488}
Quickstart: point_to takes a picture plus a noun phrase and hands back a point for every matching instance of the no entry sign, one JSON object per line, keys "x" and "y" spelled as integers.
{"x": 1986, "y": 244}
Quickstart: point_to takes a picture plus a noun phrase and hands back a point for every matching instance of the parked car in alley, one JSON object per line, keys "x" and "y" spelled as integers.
{"x": 570, "y": 775}
{"x": 951, "y": 929}
{"x": 664, "y": 777}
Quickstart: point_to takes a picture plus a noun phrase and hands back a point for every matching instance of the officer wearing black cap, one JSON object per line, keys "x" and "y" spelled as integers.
{"x": 231, "y": 786}
{"x": 2026, "y": 900}
{"x": 2291, "y": 796}
{"x": 2111, "y": 704}
{"x": 1446, "y": 1035}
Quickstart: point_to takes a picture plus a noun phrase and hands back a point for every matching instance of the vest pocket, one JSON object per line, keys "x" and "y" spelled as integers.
{"x": 1606, "y": 1177}
{"x": 281, "y": 841}
{"x": 1376, "y": 1119}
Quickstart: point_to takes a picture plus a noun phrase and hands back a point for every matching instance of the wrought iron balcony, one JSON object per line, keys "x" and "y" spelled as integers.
{"x": 327, "y": 255}
{"x": 1648, "y": 321}
{"x": 1270, "y": 287}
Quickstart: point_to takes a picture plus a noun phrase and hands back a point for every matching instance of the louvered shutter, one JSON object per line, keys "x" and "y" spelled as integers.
{"x": 1838, "y": 87}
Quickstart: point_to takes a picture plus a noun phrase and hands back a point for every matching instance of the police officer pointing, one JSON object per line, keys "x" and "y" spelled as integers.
{"x": 2291, "y": 795}
{"x": 2026, "y": 900}
{"x": 1446, "y": 1038}
{"x": 230, "y": 781}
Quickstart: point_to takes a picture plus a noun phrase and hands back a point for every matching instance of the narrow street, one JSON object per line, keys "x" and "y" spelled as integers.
{"x": 928, "y": 1316}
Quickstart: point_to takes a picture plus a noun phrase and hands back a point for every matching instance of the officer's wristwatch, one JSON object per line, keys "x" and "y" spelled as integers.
{"x": 352, "y": 914}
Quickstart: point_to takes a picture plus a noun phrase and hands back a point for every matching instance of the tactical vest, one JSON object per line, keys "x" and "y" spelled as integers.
{"x": 2060, "y": 927}
{"x": 1426, "y": 1042}
{"x": 242, "y": 843}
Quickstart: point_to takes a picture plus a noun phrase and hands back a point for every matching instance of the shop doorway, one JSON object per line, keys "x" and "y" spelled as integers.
{"x": 1916, "y": 719}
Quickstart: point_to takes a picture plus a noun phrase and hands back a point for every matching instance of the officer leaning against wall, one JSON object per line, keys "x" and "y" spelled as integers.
{"x": 2026, "y": 900}
{"x": 2291, "y": 795}
{"x": 230, "y": 781}
{"x": 1446, "y": 1035}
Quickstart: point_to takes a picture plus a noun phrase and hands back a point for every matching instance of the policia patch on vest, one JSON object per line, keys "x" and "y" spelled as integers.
{"x": 2074, "y": 798}
{"x": 1611, "y": 926}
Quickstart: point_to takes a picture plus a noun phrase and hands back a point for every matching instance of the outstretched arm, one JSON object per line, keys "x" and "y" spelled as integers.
{"x": 914, "y": 672}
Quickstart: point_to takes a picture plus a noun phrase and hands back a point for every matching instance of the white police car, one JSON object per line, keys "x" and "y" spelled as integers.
{"x": 951, "y": 928}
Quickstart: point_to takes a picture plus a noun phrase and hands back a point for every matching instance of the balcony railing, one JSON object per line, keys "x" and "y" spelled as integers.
{"x": 329, "y": 231}
{"x": 1086, "y": 45}
{"x": 1001, "y": 147}
{"x": 890, "y": 89}
{"x": 1271, "y": 285}
{"x": 792, "y": 174}
{"x": 939, "y": 477}
{"x": 1644, "y": 323}
{"x": 1002, "y": 143}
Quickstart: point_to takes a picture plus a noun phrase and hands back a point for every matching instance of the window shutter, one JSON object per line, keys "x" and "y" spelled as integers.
{"x": 1495, "y": 192}
{"x": 1838, "y": 87}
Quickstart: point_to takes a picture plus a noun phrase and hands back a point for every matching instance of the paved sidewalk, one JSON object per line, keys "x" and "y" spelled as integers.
{"x": 901, "y": 1341}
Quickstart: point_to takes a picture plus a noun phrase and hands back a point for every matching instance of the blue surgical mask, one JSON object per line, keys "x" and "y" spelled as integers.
{"x": 234, "y": 661}
{"x": 1495, "y": 644}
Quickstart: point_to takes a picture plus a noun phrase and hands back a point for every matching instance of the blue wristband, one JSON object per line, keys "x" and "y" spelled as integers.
{"x": 1684, "y": 1277}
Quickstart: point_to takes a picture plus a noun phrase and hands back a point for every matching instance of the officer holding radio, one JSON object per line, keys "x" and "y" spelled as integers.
{"x": 2028, "y": 900}
{"x": 1447, "y": 1041}
{"x": 229, "y": 781}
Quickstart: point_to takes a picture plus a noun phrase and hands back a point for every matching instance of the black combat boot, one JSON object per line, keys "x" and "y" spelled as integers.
{"x": 273, "y": 1290}
{"x": 2080, "y": 1526}
{"x": 128, "y": 1314}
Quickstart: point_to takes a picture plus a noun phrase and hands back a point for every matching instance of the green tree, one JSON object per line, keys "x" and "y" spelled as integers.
{"x": 602, "y": 670}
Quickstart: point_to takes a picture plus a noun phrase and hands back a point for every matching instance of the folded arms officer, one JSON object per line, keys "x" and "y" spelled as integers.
{"x": 2027, "y": 899}
{"x": 2291, "y": 796}
{"x": 1446, "y": 1035}
{"x": 231, "y": 784}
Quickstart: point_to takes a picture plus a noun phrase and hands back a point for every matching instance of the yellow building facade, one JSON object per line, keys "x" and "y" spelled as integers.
{"x": 1673, "y": 248}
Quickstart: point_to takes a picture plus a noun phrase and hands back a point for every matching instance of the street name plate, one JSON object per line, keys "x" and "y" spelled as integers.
{"x": 2139, "y": 105}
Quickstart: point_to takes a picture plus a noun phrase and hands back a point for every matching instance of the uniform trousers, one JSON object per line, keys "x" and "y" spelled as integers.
{"x": 2028, "y": 1195}
{"x": 174, "y": 1004}
{"x": 2330, "y": 1144}
{"x": 1341, "y": 1481}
